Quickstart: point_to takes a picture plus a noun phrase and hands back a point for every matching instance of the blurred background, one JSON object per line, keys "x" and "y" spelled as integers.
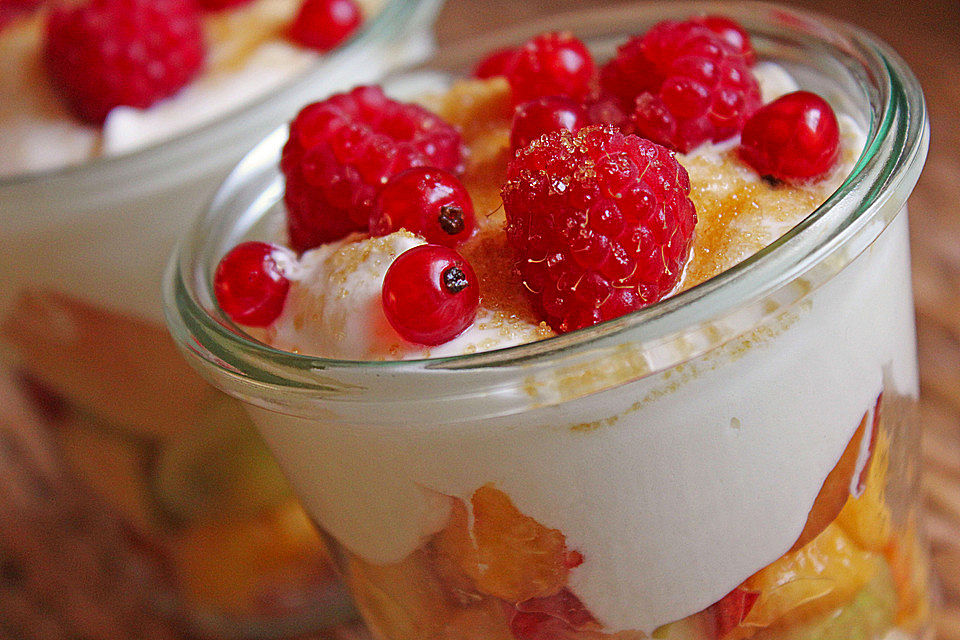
{"x": 927, "y": 35}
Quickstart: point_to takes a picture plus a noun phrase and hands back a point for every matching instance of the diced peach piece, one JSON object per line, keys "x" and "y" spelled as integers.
{"x": 835, "y": 491}
{"x": 402, "y": 601}
{"x": 124, "y": 369}
{"x": 867, "y": 519}
{"x": 509, "y": 555}
{"x": 823, "y": 575}
{"x": 228, "y": 566}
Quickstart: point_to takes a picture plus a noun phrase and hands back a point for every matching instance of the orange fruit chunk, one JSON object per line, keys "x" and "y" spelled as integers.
{"x": 506, "y": 554}
{"x": 401, "y": 601}
{"x": 866, "y": 519}
{"x": 230, "y": 565}
{"x": 823, "y": 575}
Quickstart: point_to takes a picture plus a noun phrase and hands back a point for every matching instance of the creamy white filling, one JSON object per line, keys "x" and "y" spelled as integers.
{"x": 334, "y": 307}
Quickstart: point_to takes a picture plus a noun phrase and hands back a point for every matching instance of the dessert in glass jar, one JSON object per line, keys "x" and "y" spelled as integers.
{"x": 613, "y": 340}
{"x": 105, "y": 162}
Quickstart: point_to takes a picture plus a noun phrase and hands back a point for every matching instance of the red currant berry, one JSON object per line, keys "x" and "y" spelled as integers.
{"x": 731, "y": 31}
{"x": 551, "y": 64}
{"x": 794, "y": 138}
{"x": 495, "y": 64}
{"x": 324, "y": 24}
{"x": 543, "y": 115}
{"x": 429, "y": 202}
{"x": 250, "y": 285}
{"x": 430, "y": 294}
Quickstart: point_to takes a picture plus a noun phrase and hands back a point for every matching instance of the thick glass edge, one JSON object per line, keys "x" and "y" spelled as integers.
{"x": 901, "y": 127}
{"x": 396, "y": 16}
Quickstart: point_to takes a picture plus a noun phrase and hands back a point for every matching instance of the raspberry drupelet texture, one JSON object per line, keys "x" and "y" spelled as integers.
{"x": 107, "y": 53}
{"x": 601, "y": 224}
{"x": 543, "y": 115}
{"x": 342, "y": 150}
{"x": 685, "y": 83}
{"x": 551, "y": 64}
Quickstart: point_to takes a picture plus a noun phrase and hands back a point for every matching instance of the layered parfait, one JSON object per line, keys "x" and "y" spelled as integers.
{"x": 750, "y": 479}
{"x": 84, "y": 82}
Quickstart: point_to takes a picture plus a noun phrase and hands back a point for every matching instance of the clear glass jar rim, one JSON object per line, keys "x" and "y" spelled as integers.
{"x": 893, "y": 155}
{"x": 395, "y": 17}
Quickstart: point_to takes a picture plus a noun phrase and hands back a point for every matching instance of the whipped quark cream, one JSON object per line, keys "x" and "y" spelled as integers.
{"x": 247, "y": 58}
{"x": 688, "y": 481}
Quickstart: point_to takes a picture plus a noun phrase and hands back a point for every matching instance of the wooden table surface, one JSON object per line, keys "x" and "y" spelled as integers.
{"x": 927, "y": 35}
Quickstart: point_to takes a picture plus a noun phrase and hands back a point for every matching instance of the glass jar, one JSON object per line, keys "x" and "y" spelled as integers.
{"x": 738, "y": 460}
{"x": 80, "y": 324}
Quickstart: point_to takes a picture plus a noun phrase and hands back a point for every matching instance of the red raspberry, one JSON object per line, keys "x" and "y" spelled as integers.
{"x": 343, "y": 150}
{"x": 324, "y": 24}
{"x": 601, "y": 223}
{"x": 551, "y": 64}
{"x": 794, "y": 138}
{"x": 108, "y": 53}
{"x": 685, "y": 84}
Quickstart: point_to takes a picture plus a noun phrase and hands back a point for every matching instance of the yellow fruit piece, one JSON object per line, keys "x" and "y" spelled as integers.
{"x": 867, "y": 519}
{"x": 226, "y": 565}
{"x": 509, "y": 555}
{"x": 402, "y": 601}
{"x": 823, "y": 575}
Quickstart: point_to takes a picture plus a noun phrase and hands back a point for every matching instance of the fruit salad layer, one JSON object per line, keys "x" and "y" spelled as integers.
{"x": 744, "y": 493}
{"x": 103, "y": 77}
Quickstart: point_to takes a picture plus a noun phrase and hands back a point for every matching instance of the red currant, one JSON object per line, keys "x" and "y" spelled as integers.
{"x": 543, "y": 115}
{"x": 794, "y": 138}
{"x": 429, "y": 202}
{"x": 731, "y": 31}
{"x": 430, "y": 294}
{"x": 250, "y": 285}
{"x": 551, "y": 64}
{"x": 495, "y": 64}
{"x": 324, "y": 24}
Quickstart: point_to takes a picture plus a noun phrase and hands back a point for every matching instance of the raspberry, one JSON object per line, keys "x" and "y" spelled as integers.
{"x": 108, "y": 53}
{"x": 343, "y": 150}
{"x": 794, "y": 138}
{"x": 551, "y": 64}
{"x": 601, "y": 223}
{"x": 685, "y": 83}
{"x": 324, "y": 24}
